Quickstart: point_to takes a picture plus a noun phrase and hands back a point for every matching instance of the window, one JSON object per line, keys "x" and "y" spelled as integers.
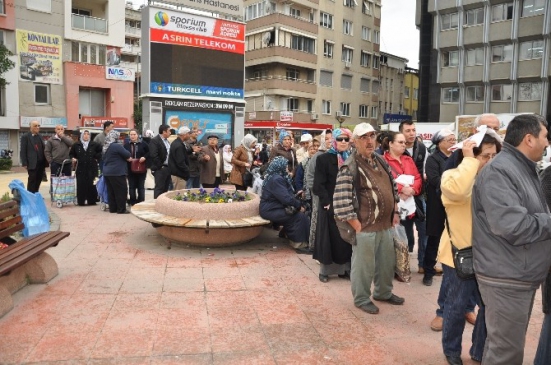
{"x": 260, "y": 73}
{"x": 415, "y": 94}
{"x": 1, "y": 35}
{"x": 376, "y": 37}
{"x": 294, "y": 12}
{"x": 326, "y": 107}
{"x": 302, "y": 43}
{"x": 347, "y": 54}
{"x": 475, "y": 56}
{"x": 366, "y": 33}
{"x": 2, "y": 7}
{"x": 42, "y": 94}
{"x": 502, "y": 53}
{"x": 345, "y": 109}
{"x": 366, "y": 8}
{"x": 449, "y": 21}
{"x": 365, "y": 59}
{"x": 450, "y": 95}
{"x": 529, "y": 91}
{"x": 346, "y": 82}
{"x": 88, "y": 53}
{"x": 531, "y": 50}
{"x": 375, "y": 87}
{"x": 328, "y": 48}
{"x": 309, "y": 106}
{"x": 475, "y": 93}
{"x": 474, "y": 16}
{"x": 326, "y": 20}
{"x": 374, "y": 112}
{"x": 292, "y": 104}
{"x": 376, "y": 61}
{"x": 326, "y": 78}
{"x": 292, "y": 74}
{"x": 364, "y": 85}
{"x": 502, "y": 92}
{"x": 406, "y": 92}
{"x": 364, "y": 111}
{"x": 347, "y": 27}
{"x": 450, "y": 58}
{"x": 83, "y": 12}
{"x": 502, "y": 12}
{"x": 532, "y": 7}
{"x": 350, "y": 3}
{"x": 40, "y": 5}
{"x": 259, "y": 9}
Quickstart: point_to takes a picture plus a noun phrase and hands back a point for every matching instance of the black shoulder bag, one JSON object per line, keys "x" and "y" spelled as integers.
{"x": 462, "y": 259}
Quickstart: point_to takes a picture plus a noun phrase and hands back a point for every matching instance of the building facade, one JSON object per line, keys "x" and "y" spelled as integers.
{"x": 486, "y": 56}
{"x": 411, "y": 93}
{"x": 392, "y": 89}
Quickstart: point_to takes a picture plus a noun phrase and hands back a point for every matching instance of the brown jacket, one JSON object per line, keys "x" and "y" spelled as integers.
{"x": 208, "y": 168}
{"x": 238, "y": 161}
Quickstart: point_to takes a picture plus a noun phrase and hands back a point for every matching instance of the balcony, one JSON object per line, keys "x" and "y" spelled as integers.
{"x": 280, "y": 54}
{"x": 280, "y": 85}
{"x": 88, "y": 23}
{"x": 283, "y": 19}
{"x": 131, "y": 49}
{"x": 129, "y": 65}
{"x": 133, "y": 31}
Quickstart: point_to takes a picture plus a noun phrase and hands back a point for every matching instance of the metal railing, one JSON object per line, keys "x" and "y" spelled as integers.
{"x": 89, "y": 23}
{"x": 133, "y": 30}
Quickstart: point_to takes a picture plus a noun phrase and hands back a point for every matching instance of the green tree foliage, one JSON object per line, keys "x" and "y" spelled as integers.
{"x": 138, "y": 115}
{"x": 5, "y": 64}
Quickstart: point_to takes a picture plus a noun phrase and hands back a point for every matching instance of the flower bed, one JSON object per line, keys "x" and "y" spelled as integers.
{"x": 217, "y": 195}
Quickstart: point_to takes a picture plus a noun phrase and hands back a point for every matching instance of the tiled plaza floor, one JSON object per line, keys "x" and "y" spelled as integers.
{"x": 122, "y": 298}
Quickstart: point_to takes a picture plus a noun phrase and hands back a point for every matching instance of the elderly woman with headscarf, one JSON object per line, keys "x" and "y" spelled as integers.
{"x": 333, "y": 253}
{"x": 115, "y": 168}
{"x": 227, "y": 155}
{"x": 285, "y": 148}
{"x": 87, "y": 154}
{"x": 435, "y": 216}
{"x": 280, "y": 205}
{"x": 242, "y": 160}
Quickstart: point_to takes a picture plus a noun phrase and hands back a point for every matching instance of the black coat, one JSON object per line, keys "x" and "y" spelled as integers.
{"x": 157, "y": 153}
{"x": 141, "y": 149}
{"x": 87, "y": 159}
{"x": 28, "y": 154}
{"x": 436, "y": 214}
{"x": 178, "y": 160}
{"x": 325, "y": 178}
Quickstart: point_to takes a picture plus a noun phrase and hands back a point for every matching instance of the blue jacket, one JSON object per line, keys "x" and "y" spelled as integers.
{"x": 115, "y": 160}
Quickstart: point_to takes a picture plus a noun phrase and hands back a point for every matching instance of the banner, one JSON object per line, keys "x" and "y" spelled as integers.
{"x": 206, "y": 123}
{"x": 39, "y": 57}
{"x": 230, "y": 7}
{"x": 191, "y": 40}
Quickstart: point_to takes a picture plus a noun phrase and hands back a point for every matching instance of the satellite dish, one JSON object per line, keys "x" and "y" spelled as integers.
{"x": 266, "y": 37}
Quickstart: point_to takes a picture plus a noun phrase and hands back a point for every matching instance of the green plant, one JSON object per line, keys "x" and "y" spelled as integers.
{"x": 6, "y": 164}
{"x": 5, "y": 64}
{"x": 6, "y": 197}
{"x": 138, "y": 115}
{"x": 216, "y": 196}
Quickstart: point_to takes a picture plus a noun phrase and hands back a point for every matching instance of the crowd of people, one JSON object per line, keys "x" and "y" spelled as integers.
{"x": 484, "y": 193}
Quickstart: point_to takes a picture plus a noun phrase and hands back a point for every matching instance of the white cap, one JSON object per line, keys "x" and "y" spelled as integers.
{"x": 183, "y": 130}
{"x": 361, "y": 129}
{"x": 306, "y": 137}
{"x": 149, "y": 133}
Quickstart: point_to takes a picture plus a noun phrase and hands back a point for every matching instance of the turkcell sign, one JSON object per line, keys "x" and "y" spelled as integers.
{"x": 119, "y": 73}
{"x": 196, "y": 90}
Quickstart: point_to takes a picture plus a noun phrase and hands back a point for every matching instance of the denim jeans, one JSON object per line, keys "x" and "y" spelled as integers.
{"x": 193, "y": 182}
{"x": 543, "y": 355}
{"x": 442, "y": 294}
{"x": 459, "y": 293}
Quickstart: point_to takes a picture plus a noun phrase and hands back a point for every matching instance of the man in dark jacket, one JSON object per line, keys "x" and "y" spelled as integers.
{"x": 32, "y": 156}
{"x": 158, "y": 158}
{"x": 178, "y": 160}
{"x": 511, "y": 238}
{"x": 194, "y": 150}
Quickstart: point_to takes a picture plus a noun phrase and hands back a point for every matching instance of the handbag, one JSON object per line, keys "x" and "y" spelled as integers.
{"x": 419, "y": 211}
{"x": 402, "y": 271}
{"x": 347, "y": 233}
{"x": 137, "y": 167}
{"x": 247, "y": 177}
{"x": 462, "y": 259}
{"x": 290, "y": 210}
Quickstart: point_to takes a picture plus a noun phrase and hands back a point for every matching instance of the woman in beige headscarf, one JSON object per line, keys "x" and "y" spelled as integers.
{"x": 242, "y": 160}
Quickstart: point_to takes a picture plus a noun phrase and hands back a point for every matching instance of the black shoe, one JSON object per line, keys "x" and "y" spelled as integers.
{"x": 369, "y": 308}
{"x": 454, "y": 360}
{"x": 304, "y": 251}
{"x": 346, "y": 275}
{"x": 125, "y": 212}
{"x": 427, "y": 281}
{"x": 323, "y": 278}
{"x": 394, "y": 300}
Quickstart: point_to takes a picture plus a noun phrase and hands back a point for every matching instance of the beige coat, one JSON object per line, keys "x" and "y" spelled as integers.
{"x": 238, "y": 161}
{"x": 208, "y": 168}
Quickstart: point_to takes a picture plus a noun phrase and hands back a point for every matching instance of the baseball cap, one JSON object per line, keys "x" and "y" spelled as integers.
{"x": 306, "y": 137}
{"x": 183, "y": 130}
{"x": 361, "y": 129}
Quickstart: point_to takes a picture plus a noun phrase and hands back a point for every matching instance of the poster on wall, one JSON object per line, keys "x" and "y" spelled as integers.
{"x": 206, "y": 123}
{"x": 39, "y": 57}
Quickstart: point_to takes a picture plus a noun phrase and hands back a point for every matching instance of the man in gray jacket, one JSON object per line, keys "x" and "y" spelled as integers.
{"x": 511, "y": 238}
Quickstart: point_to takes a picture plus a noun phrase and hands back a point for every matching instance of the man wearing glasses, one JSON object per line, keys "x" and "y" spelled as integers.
{"x": 365, "y": 178}
{"x": 32, "y": 156}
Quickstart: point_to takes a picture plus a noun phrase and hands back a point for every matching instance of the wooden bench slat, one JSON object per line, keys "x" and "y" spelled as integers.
{"x": 22, "y": 246}
{"x": 12, "y": 230}
{"x": 7, "y": 223}
{"x": 9, "y": 212}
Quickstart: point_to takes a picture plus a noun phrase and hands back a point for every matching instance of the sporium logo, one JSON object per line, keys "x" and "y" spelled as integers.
{"x": 161, "y": 18}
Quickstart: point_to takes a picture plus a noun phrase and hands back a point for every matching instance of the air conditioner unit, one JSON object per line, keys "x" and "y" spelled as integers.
{"x": 314, "y": 116}
{"x": 338, "y": 114}
{"x": 347, "y": 64}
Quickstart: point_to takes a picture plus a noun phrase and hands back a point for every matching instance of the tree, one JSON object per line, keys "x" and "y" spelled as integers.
{"x": 5, "y": 64}
{"x": 138, "y": 115}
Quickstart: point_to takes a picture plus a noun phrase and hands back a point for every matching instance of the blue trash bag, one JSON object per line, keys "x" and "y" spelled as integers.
{"x": 101, "y": 187}
{"x": 32, "y": 210}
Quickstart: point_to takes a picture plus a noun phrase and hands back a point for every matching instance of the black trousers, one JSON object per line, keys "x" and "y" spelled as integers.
{"x": 35, "y": 177}
{"x": 216, "y": 184}
{"x": 86, "y": 190}
{"x": 117, "y": 191}
{"x": 162, "y": 181}
{"x": 430, "y": 255}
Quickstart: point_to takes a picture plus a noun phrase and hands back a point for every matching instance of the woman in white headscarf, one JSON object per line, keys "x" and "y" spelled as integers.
{"x": 227, "y": 154}
{"x": 87, "y": 154}
{"x": 242, "y": 160}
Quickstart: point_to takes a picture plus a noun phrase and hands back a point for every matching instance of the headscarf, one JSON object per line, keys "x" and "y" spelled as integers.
{"x": 322, "y": 141}
{"x": 341, "y": 156}
{"x": 112, "y": 136}
{"x": 282, "y": 134}
{"x": 248, "y": 140}
{"x": 440, "y": 135}
{"x": 85, "y": 143}
{"x": 278, "y": 166}
{"x": 227, "y": 148}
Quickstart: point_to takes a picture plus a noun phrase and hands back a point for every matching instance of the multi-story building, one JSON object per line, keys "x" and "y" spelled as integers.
{"x": 312, "y": 61}
{"x": 391, "y": 89}
{"x": 485, "y": 56}
{"x": 411, "y": 92}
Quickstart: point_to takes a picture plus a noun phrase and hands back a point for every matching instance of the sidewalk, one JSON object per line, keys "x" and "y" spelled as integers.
{"x": 121, "y": 297}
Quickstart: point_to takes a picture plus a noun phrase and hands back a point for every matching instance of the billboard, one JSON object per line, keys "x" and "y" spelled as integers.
{"x": 39, "y": 57}
{"x": 190, "y": 55}
{"x": 206, "y": 123}
{"x": 229, "y": 7}
{"x": 119, "y": 73}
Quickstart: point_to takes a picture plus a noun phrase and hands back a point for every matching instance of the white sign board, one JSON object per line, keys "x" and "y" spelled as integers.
{"x": 229, "y": 7}
{"x": 285, "y": 116}
{"x": 119, "y": 73}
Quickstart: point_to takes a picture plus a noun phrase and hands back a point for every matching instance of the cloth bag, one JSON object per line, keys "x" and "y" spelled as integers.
{"x": 137, "y": 167}
{"x": 247, "y": 177}
{"x": 401, "y": 268}
{"x": 346, "y": 231}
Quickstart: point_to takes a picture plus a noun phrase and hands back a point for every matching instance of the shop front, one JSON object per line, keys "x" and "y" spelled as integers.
{"x": 268, "y": 130}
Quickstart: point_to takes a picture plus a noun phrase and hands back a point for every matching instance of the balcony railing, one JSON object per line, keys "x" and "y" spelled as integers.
{"x": 133, "y": 30}
{"x": 89, "y": 23}
{"x": 131, "y": 49}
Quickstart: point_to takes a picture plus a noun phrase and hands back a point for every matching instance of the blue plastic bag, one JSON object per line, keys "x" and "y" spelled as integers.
{"x": 32, "y": 209}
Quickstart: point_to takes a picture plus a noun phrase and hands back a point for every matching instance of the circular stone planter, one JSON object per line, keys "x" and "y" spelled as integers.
{"x": 202, "y": 224}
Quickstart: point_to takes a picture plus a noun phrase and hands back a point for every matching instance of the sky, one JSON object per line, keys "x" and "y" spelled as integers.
{"x": 399, "y": 35}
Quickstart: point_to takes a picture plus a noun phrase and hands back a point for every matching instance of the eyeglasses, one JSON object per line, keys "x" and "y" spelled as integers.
{"x": 488, "y": 156}
{"x": 343, "y": 139}
{"x": 368, "y": 136}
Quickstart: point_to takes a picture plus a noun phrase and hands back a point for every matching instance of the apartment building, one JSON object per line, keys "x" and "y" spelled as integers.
{"x": 484, "y": 56}
{"x": 311, "y": 61}
{"x": 391, "y": 85}
{"x": 411, "y": 92}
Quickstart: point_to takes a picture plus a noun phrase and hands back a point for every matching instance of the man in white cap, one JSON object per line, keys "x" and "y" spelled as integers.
{"x": 178, "y": 160}
{"x": 302, "y": 152}
{"x": 367, "y": 198}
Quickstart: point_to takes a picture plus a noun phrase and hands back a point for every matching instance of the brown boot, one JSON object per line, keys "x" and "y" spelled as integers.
{"x": 437, "y": 324}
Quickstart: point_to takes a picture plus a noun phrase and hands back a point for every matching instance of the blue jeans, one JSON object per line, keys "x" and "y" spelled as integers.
{"x": 543, "y": 355}
{"x": 442, "y": 294}
{"x": 459, "y": 294}
{"x": 193, "y": 182}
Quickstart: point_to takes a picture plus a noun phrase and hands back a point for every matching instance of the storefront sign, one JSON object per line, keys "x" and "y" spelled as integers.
{"x": 203, "y": 105}
{"x": 230, "y": 7}
{"x": 45, "y": 122}
{"x": 269, "y": 124}
{"x": 39, "y": 57}
{"x": 395, "y": 118}
{"x": 98, "y": 121}
{"x": 119, "y": 73}
{"x": 286, "y": 116}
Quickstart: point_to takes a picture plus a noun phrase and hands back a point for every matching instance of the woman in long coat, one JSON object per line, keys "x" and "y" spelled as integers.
{"x": 333, "y": 253}
{"x": 87, "y": 154}
{"x": 242, "y": 160}
{"x": 136, "y": 181}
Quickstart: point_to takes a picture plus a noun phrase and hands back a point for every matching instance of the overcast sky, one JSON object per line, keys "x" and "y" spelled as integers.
{"x": 399, "y": 36}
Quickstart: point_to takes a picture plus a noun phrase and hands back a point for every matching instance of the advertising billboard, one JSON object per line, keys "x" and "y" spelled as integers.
{"x": 119, "y": 73}
{"x": 229, "y": 7}
{"x": 191, "y": 55}
{"x": 207, "y": 123}
{"x": 39, "y": 57}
